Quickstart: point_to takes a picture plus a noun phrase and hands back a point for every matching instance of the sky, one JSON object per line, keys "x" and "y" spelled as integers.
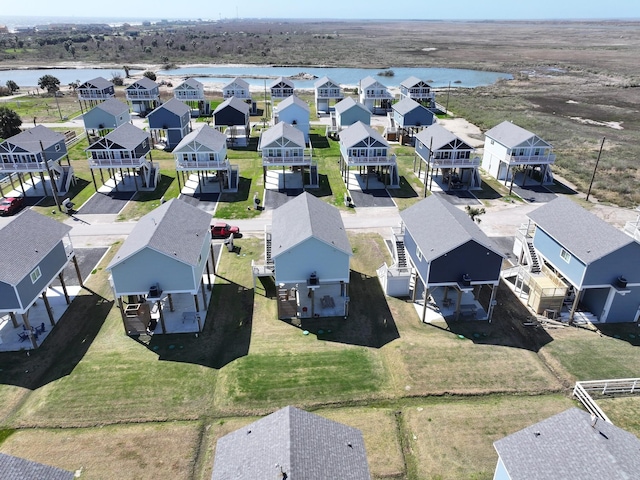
{"x": 349, "y": 9}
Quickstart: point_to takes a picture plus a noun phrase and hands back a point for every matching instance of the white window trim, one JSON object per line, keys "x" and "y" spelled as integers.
{"x": 418, "y": 254}
{"x": 565, "y": 255}
{"x": 35, "y": 275}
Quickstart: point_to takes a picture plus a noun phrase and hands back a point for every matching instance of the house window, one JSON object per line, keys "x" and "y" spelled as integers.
{"x": 566, "y": 256}
{"x": 418, "y": 254}
{"x": 35, "y": 275}
{"x": 57, "y": 148}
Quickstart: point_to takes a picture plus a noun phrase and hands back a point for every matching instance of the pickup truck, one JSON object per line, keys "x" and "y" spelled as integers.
{"x": 10, "y": 205}
{"x": 224, "y": 230}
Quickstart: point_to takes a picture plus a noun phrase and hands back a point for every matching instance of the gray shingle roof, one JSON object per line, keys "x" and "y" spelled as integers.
{"x": 192, "y": 82}
{"x": 438, "y": 137}
{"x": 26, "y": 240}
{"x": 237, "y": 81}
{"x": 406, "y": 105}
{"x": 304, "y": 217}
{"x": 359, "y": 131}
{"x": 439, "y": 227}
{"x": 113, "y": 107}
{"x": 280, "y": 80}
{"x": 292, "y": 100}
{"x": 301, "y": 444}
{"x": 579, "y": 231}
{"x": 145, "y": 83}
{"x": 321, "y": 81}
{"x": 174, "y": 106}
{"x": 233, "y": 102}
{"x": 509, "y": 134}
{"x": 126, "y": 135}
{"x": 411, "y": 81}
{"x": 348, "y": 103}
{"x": 175, "y": 229}
{"x": 566, "y": 446}
{"x": 367, "y": 82}
{"x": 98, "y": 82}
{"x": 279, "y": 130}
{"x": 207, "y": 136}
{"x": 30, "y": 139}
{"x": 15, "y": 468}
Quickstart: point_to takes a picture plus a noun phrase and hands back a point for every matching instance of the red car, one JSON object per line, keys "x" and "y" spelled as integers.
{"x": 10, "y": 205}
{"x": 224, "y": 230}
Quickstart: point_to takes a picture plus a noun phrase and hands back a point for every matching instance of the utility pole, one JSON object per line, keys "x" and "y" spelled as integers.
{"x": 448, "y": 92}
{"x": 55, "y": 94}
{"x": 595, "y": 168}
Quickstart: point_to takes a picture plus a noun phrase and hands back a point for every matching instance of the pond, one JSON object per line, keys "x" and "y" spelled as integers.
{"x": 258, "y": 75}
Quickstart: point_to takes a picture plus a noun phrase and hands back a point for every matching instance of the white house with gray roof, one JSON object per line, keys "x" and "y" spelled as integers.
{"x": 362, "y": 147}
{"x": 375, "y": 96}
{"x": 191, "y": 90}
{"x": 163, "y": 258}
{"x": 121, "y": 152}
{"x": 281, "y": 88}
{"x": 450, "y": 258}
{"x": 144, "y": 95}
{"x": 509, "y": 148}
{"x": 418, "y": 90}
{"x": 294, "y": 111}
{"x": 308, "y": 252}
{"x": 571, "y": 444}
{"x": 37, "y": 151}
{"x": 575, "y": 248}
{"x": 283, "y": 145}
{"x": 326, "y": 92}
{"x": 446, "y": 158}
{"x": 204, "y": 153}
{"x": 238, "y": 88}
{"x": 27, "y": 271}
{"x": 292, "y": 444}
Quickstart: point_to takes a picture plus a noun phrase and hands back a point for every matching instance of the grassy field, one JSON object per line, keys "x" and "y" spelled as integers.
{"x": 429, "y": 403}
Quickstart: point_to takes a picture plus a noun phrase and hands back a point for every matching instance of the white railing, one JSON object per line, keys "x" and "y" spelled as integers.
{"x": 188, "y": 95}
{"x": 23, "y": 167}
{"x": 142, "y": 96}
{"x": 455, "y": 162}
{"x": 203, "y": 164}
{"x": 288, "y": 160}
{"x": 383, "y": 95}
{"x": 281, "y": 93}
{"x": 530, "y": 159}
{"x": 589, "y": 403}
{"x": 633, "y": 229}
{"x": 116, "y": 162}
{"x": 241, "y": 95}
{"x": 612, "y": 387}
{"x": 330, "y": 94}
{"x": 386, "y": 160}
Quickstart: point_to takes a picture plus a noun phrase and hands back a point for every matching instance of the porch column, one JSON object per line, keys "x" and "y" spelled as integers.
{"x": 162, "y": 324}
{"x": 424, "y": 307}
{"x": 195, "y": 301}
{"x": 574, "y": 306}
{"x": 313, "y": 303}
{"x": 47, "y": 305}
{"x": 213, "y": 258}
{"x": 93, "y": 177}
{"x": 415, "y": 286}
{"x": 494, "y": 290}
{"x": 77, "y": 267}
{"x": 179, "y": 184}
{"x": 14, "y": 321}
{"x": 124, "y": 317}
{"x": 64, "y": 288}
{"x": 44, "y": 186}
{"x": 171, "y": 309}
{"x": 204, "y": 295}
{"x": 209, "y": 286}
{"x": 607, "y": 305}
{"x": 25, "y": 320}
{"x": 458, "y": 300}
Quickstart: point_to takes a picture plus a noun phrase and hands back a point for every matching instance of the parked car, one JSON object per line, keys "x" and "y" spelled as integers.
{"x": 224, "y": 230}
{"x": 10, "y": 205}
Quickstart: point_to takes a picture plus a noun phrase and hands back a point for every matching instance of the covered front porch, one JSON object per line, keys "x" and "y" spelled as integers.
{"x": 313, "y": 300}
{"x": 454, "y": 302}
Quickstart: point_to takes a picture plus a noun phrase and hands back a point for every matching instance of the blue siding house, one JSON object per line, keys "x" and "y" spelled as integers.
{"x": 347, "y": 112}
{"x": 38, "y": 151}
{"x": 411, "y": 116}
{"x": 31, "y": 271}
{"x": 106, "y": 116}
{"x": 310, "y": 251}
{"x": 597, "y": 260}
{"x": 165, "y": 255}
{"x": 449, "y": 252}
{"x": 569, "y": 445}
{"x": 170, "y": 120}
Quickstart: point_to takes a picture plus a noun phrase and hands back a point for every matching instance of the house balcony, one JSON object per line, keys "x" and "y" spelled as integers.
{"x": 93, "y": 95}
{"x": 455, "y": 162}
{"x": 116, "y": 161}
{"x": 281, "y": 93}
{"x": 512, "y": 160}
{"x": 202, "y": 164}
{"x": 142, "y": 96}
{"x": 10, "y": 167}
{"x": 377, "y": 96}
{"x": 237, "y": 94}
{"x": 384, "y": 160}
{"x": 420, "y": 94}
{"x": 189, "y": 95}
{"x": 329, "y": 95}
{"x": 296, "y": 160}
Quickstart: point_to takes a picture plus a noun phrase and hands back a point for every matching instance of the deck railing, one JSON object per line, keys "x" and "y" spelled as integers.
{"x": 455, "y": 162}
{"x": 287, "y": 160}
{"x": 385, "y": 160}
{"x": 530, "y": 159}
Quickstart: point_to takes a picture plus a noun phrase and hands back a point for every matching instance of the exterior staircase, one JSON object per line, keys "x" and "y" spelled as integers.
{"x": 401, "y": 258}
{"x": 534, "y": 263}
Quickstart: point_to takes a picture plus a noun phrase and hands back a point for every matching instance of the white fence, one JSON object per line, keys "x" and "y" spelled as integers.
{"x": 583, "y": 391}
